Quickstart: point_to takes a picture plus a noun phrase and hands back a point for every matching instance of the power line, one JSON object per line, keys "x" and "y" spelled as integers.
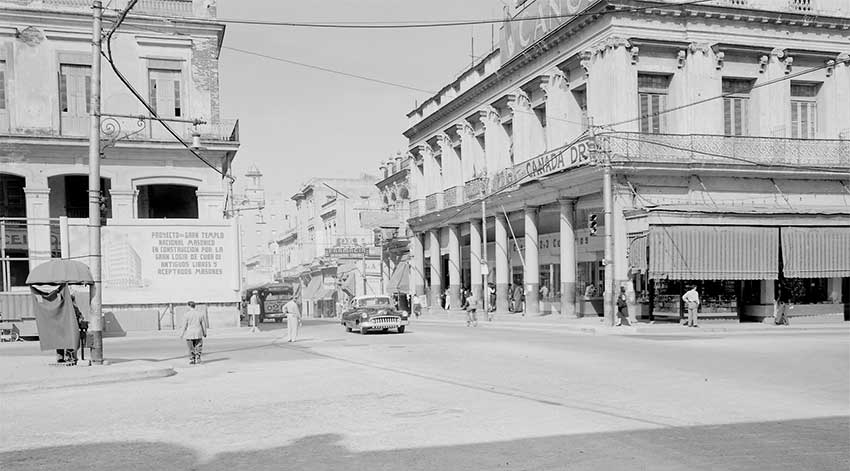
{"x": 414, "y": 24}
{"x": 151, "y": 110}
{"x": 332, "y": 71}
{"x": 716, "y": 97}
{"x": 724, "y": 156}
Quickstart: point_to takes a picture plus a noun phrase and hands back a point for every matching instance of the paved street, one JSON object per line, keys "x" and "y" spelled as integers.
{"x": 447, "y": 397}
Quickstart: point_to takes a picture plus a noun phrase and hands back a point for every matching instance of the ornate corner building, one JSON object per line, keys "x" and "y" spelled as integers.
{"x": 724, "y": 124}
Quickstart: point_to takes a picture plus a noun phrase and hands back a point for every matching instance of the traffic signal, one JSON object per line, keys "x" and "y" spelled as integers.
{"x": 378, "y": 238}
{"x": 104, "y": 209}
{"x": 591, "y": 223}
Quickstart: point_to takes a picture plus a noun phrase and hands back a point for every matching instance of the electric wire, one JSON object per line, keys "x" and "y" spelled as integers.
{"x": 415, "y": 24}
{"x": 148, "y": 107}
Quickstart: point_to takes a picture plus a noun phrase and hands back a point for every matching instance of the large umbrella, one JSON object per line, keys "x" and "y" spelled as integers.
{"x": 58, "y": 271}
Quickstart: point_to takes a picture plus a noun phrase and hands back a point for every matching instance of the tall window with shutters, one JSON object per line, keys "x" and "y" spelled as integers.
{"x": 736, "y": 104}
{"x": 74, "y": 99}
{"x": 166, "y": 97}
{"x": 804, "y": 110}
{"x": 652, "y": 100}
{"x": 4, "y": 100}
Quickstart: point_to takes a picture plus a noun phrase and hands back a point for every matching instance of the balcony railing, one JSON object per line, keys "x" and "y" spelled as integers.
{"x": 434, "y": 202}
{"x": 416, "y": 208}
{"x": 225, "y": 130}
{"x": 730, "y": 150}
{"x": 133, "y": 129}
{"x": 452, "y": 196}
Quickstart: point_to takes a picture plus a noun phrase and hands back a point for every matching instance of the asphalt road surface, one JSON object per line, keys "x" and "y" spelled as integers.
{"x": 451, "y": 397}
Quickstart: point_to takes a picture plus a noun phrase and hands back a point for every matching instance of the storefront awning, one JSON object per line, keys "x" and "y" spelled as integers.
{"x": 815, "y": 252}
{"x": 399, "y": 281}
{"x": 637, "y": 253}
{"x": 713, "y": 252}
{"x": 324, "y": 293}
{"x": 312, "y": 288}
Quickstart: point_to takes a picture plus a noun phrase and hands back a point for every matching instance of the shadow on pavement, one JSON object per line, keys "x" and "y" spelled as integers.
{"x": 788, "y": 445}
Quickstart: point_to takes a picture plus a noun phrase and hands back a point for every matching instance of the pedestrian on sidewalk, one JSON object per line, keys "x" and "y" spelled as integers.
{"x": 194, "y": 330}
{"x": 415, "y": 305}
{"x": 293, "y": 319}
{"x": 780, "y": 316}
{"x": 622, "y": 308}
{"x": 471, "y": 306}
{"x": 691, "y": 299}
{"x": 492, "y": 301}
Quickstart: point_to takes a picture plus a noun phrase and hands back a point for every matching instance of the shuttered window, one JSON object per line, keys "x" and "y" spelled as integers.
{"x": 652, "y": 99}
{"x": 2, "y": 85}
{"x": 804, "y": 110}
{"x": 736, "y": 103}
{"x": 165, "y": 92}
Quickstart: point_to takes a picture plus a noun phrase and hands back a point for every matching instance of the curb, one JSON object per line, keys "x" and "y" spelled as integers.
{"x": 105, "y": 378}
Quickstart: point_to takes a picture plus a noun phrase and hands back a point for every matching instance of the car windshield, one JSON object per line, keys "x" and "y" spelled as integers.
{"x": 373, "y": 302}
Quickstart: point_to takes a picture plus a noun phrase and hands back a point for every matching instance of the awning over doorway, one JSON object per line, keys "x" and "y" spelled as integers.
{"x": 713, "y": 252}
{"x": 815, "y": 252}
{"x": 637, "y": 253}
{"x": 399, "y": 281}
{"x": 312, "y": 288}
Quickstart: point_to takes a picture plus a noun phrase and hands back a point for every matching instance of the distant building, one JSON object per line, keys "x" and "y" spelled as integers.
{"x": 394, "y": 233}
{"x": 332, "y": 241}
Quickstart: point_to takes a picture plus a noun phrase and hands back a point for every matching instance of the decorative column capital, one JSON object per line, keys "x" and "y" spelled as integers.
{"x": 463, "y": 128}
{"x": 33, "y": 191}
{"x": 443, "y": 140}
{"x": 586, "y": 57}
{"x": 425, "y": 149}
{"x": 565, "y": 201}
{"x": 519, "y": 100}
{"x": 777, "y": 53}
{"x": 554, "y": 80}
{"x": 695, "y": 47}
{"x": 488, "y": 116}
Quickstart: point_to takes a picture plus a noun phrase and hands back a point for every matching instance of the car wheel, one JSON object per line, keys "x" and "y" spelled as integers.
{"x": 401, "y": 329}
{"x": 347, "y": 329}
{"x": 385, "y": 330}
{"x": 279, "y": 320}
{"x": 364, "y": 330}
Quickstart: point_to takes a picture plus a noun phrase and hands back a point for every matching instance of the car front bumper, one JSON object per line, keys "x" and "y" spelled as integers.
{"x": 384, "y": 322}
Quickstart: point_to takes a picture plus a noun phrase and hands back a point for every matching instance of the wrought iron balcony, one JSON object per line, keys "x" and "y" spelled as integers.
{"x": 730, "y": 150}
{"x": 452, "y": 196}
{"x": 416, "y": 208}
{"x": 434, "y": 202}
{"x": 179, "y": 8}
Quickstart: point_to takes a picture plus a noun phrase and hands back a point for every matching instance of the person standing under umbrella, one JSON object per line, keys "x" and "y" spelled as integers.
{"x": 194, "y": 330}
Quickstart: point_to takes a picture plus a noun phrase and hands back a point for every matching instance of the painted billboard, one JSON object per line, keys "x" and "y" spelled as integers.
{"x": 537, "y": 19}
{"x": 155, "y": 263}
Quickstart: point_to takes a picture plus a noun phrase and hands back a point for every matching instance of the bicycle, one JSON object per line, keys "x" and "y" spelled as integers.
{"x": 9, "y": 335}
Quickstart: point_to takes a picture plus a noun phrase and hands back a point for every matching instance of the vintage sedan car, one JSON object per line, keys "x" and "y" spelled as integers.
{"x": 368, "y": 313}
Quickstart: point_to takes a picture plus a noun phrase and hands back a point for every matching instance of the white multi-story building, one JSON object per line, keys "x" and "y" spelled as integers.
{"x": 166, "y": 204}
{"x": 726, "y": 125}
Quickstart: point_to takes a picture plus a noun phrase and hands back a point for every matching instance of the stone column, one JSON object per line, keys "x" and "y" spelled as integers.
{"x": 210, "y": 204}
{"x": 451, "y": 164}
{"x": 558, "y": 114}
{"x": 433, "y": 182}
{"x": 38, "y": 225}
{"x": 496, "y": 141}
{"x": 475, "y": 259}
{"x": 610, "y": 96}
{"x": 467, "y": 151}
{"x": 417, "y": 272}
{"x": 436, "y": 267}
{"x": 523, "y": 122}
{"x": 503, "y": 271}
{"x": 123, "y": 204}
{"x": 701, "y": 78}
{"x": 771, "y": 110}
{"x": 568, "y": 257}
{"x": 454, "y": 266}
{"x": 416, "y": 182}
{"x": 837, "y": 91}
{"x": 531, "y": 275}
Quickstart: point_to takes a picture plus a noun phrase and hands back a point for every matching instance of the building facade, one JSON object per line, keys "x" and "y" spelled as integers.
{"x": 165, "y": 209}
{"x": 723, "y": 126}
{"x": 393, "y": 234}
{"x": 330, "y": 254}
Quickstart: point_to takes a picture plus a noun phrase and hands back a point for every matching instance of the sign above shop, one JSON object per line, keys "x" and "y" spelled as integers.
{"x": 535, "y": 21}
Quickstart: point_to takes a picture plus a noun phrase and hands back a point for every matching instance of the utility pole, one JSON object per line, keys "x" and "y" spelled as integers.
{"x": 608, "y": 219}
{"x": 96, "y": 314}
{"x": 485, "y": 271}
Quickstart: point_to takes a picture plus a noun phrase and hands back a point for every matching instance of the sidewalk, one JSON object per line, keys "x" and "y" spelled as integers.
{"x": 595, "y": 326}
{"x": 35, "y": 373}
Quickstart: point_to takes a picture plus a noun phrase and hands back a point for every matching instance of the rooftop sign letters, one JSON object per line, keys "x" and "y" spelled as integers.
{"x": 548, "y": 15}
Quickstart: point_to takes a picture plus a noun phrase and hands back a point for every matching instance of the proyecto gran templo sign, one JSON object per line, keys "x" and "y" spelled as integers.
{"x": 548, "y": 15}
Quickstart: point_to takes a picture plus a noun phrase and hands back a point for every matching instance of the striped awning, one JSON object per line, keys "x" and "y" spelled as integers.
{"x": 637, "y": 253}
{"x": 815, "y": 252}
{"x": 713, "y": 252}
{"x": 400, "y": 279}
{"x": 313, "y": 288}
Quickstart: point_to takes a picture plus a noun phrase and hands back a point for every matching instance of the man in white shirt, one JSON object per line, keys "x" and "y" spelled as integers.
{"x": 194, "y": 330}
{"x": 293, "y": 319}
{"x": 691, "y": 300}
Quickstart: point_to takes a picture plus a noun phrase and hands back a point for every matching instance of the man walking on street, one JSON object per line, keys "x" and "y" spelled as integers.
{"x": 691, "y": 299}
{"x": 194, "y": 330}
{"x": 622, "y": 308}
{"x": 293, "y": 319}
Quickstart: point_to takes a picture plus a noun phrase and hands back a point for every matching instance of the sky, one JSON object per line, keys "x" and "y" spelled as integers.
{"x": 297, "y": 123}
